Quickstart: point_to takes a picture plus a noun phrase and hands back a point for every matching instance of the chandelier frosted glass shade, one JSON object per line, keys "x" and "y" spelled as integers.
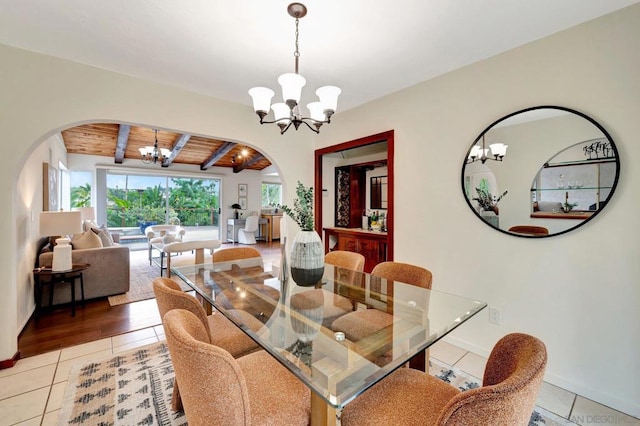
{"x": 496, "y": 152}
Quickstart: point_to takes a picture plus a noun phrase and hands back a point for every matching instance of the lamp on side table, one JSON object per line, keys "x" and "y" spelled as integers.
{"x": 61, "y": 223}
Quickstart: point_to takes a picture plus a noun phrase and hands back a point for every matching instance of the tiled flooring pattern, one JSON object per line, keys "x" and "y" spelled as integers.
{"x": 31, "y": 392}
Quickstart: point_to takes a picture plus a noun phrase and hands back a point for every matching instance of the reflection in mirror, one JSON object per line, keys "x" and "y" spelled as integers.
{"x": 561, "y": 170}
{"x": 378, "y": 195}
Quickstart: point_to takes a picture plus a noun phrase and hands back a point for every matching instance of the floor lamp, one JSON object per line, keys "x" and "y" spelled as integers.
{"x": 62, "y": 224}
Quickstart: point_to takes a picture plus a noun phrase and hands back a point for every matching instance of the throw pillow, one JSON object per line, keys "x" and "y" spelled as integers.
{"x": 86, "y": 240}
{"x": 104, "y": 234}
{"x": 168, "y": 238}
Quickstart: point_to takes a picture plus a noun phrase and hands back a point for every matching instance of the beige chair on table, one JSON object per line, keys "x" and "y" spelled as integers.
{"x": 511, "y": 382}
{"x": 335, "y": 305}
{"x": 236, "y": 253}
{"x": 221, "y": 330}
{"x": 362, "y": 323}
{"x": 250, "y": 257}
{"x": 247, "y": 235}
{"x": 217, "y": 389}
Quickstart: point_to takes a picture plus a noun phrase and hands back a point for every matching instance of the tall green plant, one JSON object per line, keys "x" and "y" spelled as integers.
{"x": 302, "y": 212}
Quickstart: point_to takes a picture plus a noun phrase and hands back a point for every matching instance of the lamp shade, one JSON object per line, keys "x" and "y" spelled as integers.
{"x": 88, "y": 213}
{"x": 60, "y": 223}
{"x": 316, "y": 111}
{"x": 329, "y": 97}
{"x": 261, "y": 98}
{"x": 499, "y": 149}
{"x": 281, "y": 112}
{"x": 292, "y": 85}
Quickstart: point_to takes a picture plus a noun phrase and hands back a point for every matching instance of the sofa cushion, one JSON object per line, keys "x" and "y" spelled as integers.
{"x": 104, "y": 234}
{"x": 86, "y": 240}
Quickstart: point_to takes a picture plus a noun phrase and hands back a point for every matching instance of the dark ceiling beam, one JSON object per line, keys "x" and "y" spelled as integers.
{"x": 217, "y": 155}
{"x": 121, "y": 144}
{"x": 180, "y": 142}
{"x": 250, "y": 162}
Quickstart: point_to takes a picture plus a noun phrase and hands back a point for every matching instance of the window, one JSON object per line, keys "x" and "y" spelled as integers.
{"x": 271, "y": 194}
{"x": 137, "y": 200}
{"x": 80, "y": 188}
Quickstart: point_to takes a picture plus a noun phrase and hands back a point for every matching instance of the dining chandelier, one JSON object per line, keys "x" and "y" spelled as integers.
{"x": 153, "y": 154}
{"x": 288, "y": 112}
{"x": 478, "y": 153}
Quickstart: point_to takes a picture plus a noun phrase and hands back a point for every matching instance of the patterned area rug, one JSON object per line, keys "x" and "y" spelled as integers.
{"x": 464, "y": 381}
{"x": 141, "y": 278}
{"x": 135, "y": 388}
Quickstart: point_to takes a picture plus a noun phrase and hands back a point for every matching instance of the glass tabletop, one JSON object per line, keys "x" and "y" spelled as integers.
{"x": 340, "y": 336}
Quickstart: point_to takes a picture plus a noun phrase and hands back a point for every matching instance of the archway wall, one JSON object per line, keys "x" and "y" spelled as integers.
{"x": 42, "y": 95}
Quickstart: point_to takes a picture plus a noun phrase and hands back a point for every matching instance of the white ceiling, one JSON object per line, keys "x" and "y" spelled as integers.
{"x": 369, "y": 48}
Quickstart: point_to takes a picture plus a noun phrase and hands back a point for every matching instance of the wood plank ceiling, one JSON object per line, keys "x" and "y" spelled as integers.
{"x": 120, "y": 141}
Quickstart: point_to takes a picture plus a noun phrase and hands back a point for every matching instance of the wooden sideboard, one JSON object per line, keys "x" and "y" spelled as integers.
{"x": 371, "y": 244}
{"x": 273, "y": 226}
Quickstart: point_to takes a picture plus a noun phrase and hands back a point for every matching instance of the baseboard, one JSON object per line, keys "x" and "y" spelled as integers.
{"x": 8, "y": 363}
{"x": 625, "y": 406}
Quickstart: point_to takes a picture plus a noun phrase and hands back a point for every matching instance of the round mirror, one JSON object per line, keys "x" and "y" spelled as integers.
{"x": 540, "y": 172}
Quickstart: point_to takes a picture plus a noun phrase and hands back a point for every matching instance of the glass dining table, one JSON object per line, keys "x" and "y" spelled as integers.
{"x": 319, "y": 333}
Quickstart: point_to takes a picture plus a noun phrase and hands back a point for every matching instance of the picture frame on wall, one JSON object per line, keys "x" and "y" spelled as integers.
{"x": 243, "y": 202}
{"x": 49, "y": 187}
{"x": 242, "y": 190}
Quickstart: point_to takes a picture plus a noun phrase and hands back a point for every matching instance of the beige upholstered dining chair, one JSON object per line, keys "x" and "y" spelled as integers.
{"x": 362, "y": 323}
{"x": 221, "y": 330}
{"x": 359, "y": 324}
{"x": 250, "y": 257}
{"x": 512, "y": 379}
{"x": 217, "y": 389}
{"x": 334, "y": 305}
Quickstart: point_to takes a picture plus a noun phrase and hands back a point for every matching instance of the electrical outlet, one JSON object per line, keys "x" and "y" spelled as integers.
{"x": 495, "y": 316}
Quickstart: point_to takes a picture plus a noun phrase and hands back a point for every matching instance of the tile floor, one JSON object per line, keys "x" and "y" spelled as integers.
{"x": 31, "y": 392}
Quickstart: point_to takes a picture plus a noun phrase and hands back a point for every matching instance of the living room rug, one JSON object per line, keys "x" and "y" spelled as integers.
{"x": 135, "y": 388}
{"x": 141, "y": 279}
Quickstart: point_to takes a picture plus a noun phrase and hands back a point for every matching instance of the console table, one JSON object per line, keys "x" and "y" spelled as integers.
{"x": 44, "y": 276}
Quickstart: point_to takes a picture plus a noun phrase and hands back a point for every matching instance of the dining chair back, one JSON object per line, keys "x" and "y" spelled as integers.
{"x": 220, "y": 390}
{"x": 403, "y": 272}
{"x": 236, "y": 253}
{"x": 345, "y": 259}
{"x": 512, "y": 378}
{"x": 529, "y": 230}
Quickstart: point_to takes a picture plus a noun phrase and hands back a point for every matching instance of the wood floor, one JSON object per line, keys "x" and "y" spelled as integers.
{"x": 56, "y": 328}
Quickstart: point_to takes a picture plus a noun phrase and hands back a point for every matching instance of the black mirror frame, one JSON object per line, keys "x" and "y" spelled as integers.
{"x": 586, "y": 117}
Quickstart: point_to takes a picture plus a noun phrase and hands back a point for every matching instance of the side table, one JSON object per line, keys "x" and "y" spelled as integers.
{"x": 44, "y": 276}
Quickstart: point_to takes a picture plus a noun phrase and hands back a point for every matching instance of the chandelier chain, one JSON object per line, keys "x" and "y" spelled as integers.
{"x": 296, "y": 54}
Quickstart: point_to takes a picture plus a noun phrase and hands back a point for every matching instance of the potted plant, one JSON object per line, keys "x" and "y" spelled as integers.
{"x": 236, "y": 206}
{"x": 307, "y": 252}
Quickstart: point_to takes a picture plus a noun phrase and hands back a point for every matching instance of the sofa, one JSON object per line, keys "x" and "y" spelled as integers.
{"x": 107, "y": 275}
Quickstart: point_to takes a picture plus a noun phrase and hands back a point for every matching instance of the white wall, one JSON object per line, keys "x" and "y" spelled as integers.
{"x": 579, "y": 292}
{"x": 43, "y": 95}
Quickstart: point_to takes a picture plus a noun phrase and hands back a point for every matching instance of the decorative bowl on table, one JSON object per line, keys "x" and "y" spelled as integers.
{"x": 376, "y": 227}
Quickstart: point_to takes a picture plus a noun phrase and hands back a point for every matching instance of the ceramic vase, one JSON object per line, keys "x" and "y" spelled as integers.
{"x": 307, "y": 258}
